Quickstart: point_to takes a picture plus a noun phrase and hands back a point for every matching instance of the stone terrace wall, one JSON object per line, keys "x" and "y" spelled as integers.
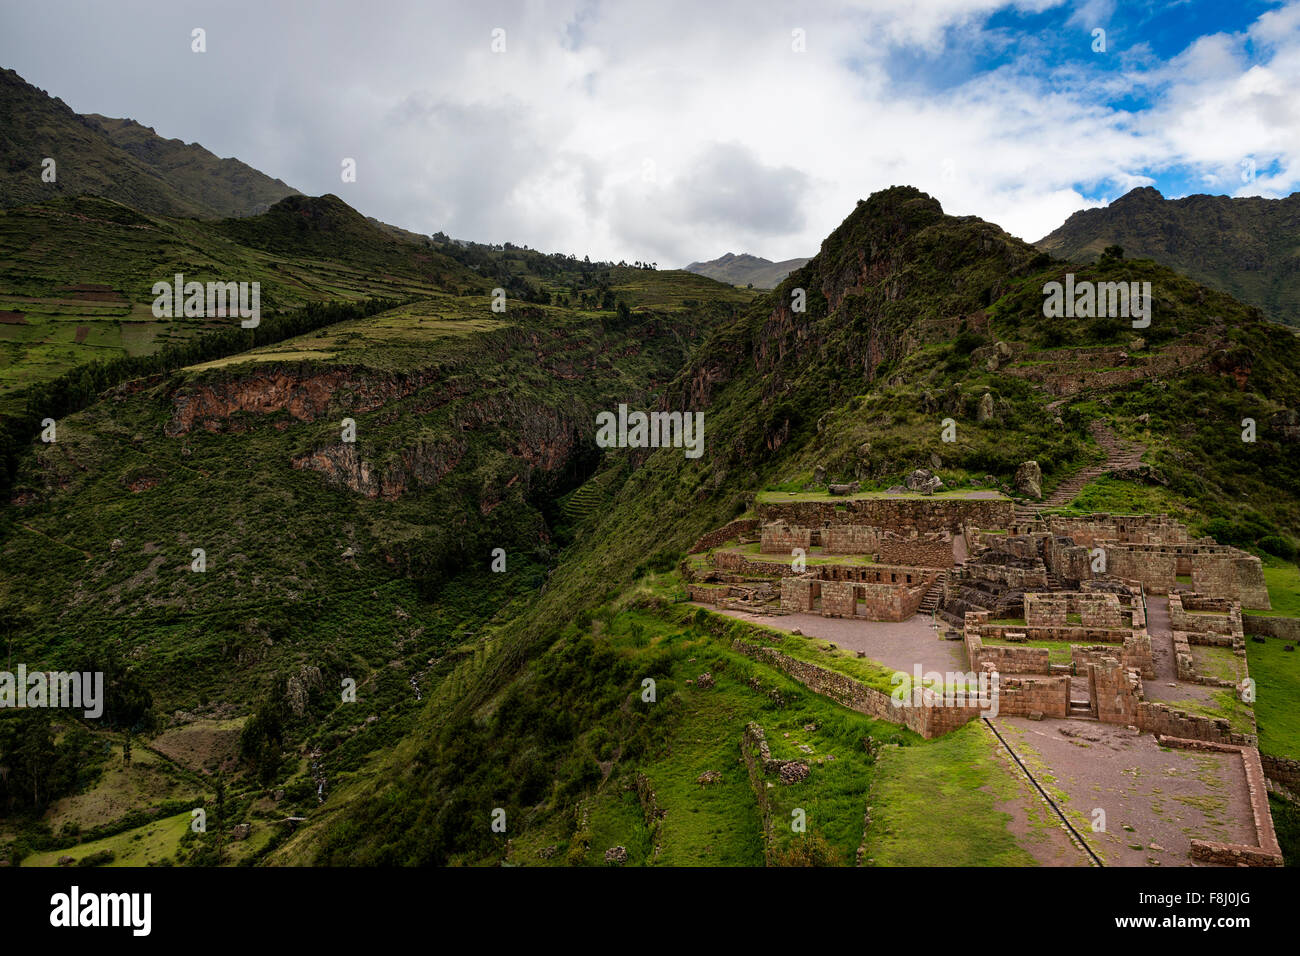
{"x": 780, "y": 538}
{"x": 1285, "y": 628}
{"x": 929, "y": 551}
{"x": 909, "y": 515}
{"x": 741, "y": 529}
{"x": 928, "y": 720}
{"x": 1282, "y": 770}
{"x": 737, "y": 563}
{"x": 851, "y": 539}
{"x": 1159, "y": 718}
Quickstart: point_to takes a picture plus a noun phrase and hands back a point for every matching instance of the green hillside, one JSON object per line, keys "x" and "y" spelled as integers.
{"x": 116, "y": 159}
{"x": 523, "y": 691}
{"x": 1248, "y": 247}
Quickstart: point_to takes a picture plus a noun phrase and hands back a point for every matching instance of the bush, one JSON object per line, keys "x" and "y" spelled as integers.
{"x": 1278, "y": 546}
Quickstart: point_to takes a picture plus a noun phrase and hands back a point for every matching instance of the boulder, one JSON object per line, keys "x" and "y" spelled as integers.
{"x": 1029, "y": 480}
{"x": 850, "y": 489}
{"x": 793, "y": 771}
{"x": 924, "y": 481}
{"x": 616, "y": 855}
{"x": 985, "y": 412}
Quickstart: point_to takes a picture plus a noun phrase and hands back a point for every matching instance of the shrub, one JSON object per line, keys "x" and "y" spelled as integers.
{"x": 1278, "y": 546}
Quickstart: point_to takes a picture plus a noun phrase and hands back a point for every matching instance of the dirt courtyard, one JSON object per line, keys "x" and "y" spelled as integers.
{"x": 1156, "y": 800}
{"x": 900, "y": 645}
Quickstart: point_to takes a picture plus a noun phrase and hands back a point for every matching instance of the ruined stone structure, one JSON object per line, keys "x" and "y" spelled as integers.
{"x": 1020, "y": 594}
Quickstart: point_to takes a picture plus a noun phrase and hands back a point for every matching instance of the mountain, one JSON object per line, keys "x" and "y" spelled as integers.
{"x": 498, "y": 588}
{"x": 77, "y": 275}
{"x": 222, "y": 187}
{"x": 745, "y": 269}
{"x": 908, "y": 313}
{"x": 116, "y": 159}
{"x": 1248, "y": 247}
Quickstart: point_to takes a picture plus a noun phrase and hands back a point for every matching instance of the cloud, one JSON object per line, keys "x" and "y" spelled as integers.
{"x": 998, "y": 109}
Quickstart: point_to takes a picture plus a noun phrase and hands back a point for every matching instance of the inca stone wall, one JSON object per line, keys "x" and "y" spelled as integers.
{"x": 929, "y": 551}
{"x": 741, "y": 529}
{"x": 780, "y": 538}
{"x": 905, "y": 515}
{"x": 851, "y": 539}
{"x": 928, "y": 719}
{"x": 1284, "y": 628}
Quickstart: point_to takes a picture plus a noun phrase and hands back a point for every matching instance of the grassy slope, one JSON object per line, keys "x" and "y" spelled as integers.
{"x": 529, "y": 718}
{"x": 1205, "y": 237}
{"x": 52, "y": 250}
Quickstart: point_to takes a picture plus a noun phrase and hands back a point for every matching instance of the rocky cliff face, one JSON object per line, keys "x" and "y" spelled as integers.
{"x": 420, "y": 465}
{"x": 306, "y": 393}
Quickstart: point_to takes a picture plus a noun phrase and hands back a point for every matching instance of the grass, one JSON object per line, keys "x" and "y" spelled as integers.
{"x": 1277, "y": 696}
{"x": 777, "y": 497}
{"x": 934, "y": 804}
{"x": 1282, "y": 578}
{"x": 148, "y": 845}
{"x": 1116, "y": 496}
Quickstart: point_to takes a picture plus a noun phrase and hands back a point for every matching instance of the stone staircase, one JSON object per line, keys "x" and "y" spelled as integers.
{"x": 1081, "y": 709}
{"x": 932, "y": 596}
{"x": 1121, "y": 455}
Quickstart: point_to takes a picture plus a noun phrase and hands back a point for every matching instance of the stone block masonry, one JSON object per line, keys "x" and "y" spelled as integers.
{"x": 851, "y": 539}
{"x": 1265, "y": 851}
{"x": 1283, "y": 628}
{"x": 742, "y": 529}
{"x": 780, "y": 538}
{"x": 928, "y": 551}
{"x": 932, "y": 718}
{"x": 901, "y": 515}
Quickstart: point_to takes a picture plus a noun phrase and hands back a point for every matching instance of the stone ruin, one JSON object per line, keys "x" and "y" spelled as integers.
{"x": 1003, "y": 585}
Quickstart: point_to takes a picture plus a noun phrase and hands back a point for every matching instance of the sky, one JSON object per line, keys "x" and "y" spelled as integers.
{"x": 671, "y": 131}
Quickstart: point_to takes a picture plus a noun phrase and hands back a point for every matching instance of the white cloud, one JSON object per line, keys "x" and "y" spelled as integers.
{"x": 753, "y": 147}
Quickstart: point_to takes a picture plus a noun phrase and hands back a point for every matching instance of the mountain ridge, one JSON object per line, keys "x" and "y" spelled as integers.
{"x": 1248, "y": 247}
{"x": 118, "y": 159}
{"x": 745, "y": 269}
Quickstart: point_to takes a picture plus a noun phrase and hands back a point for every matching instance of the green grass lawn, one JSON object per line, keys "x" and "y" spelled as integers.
{"x": 934, "y": 804}
{"x": 149, "y": 844}
{"x": 1283, "y": 581}
{"x": 1277, "y": 696}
